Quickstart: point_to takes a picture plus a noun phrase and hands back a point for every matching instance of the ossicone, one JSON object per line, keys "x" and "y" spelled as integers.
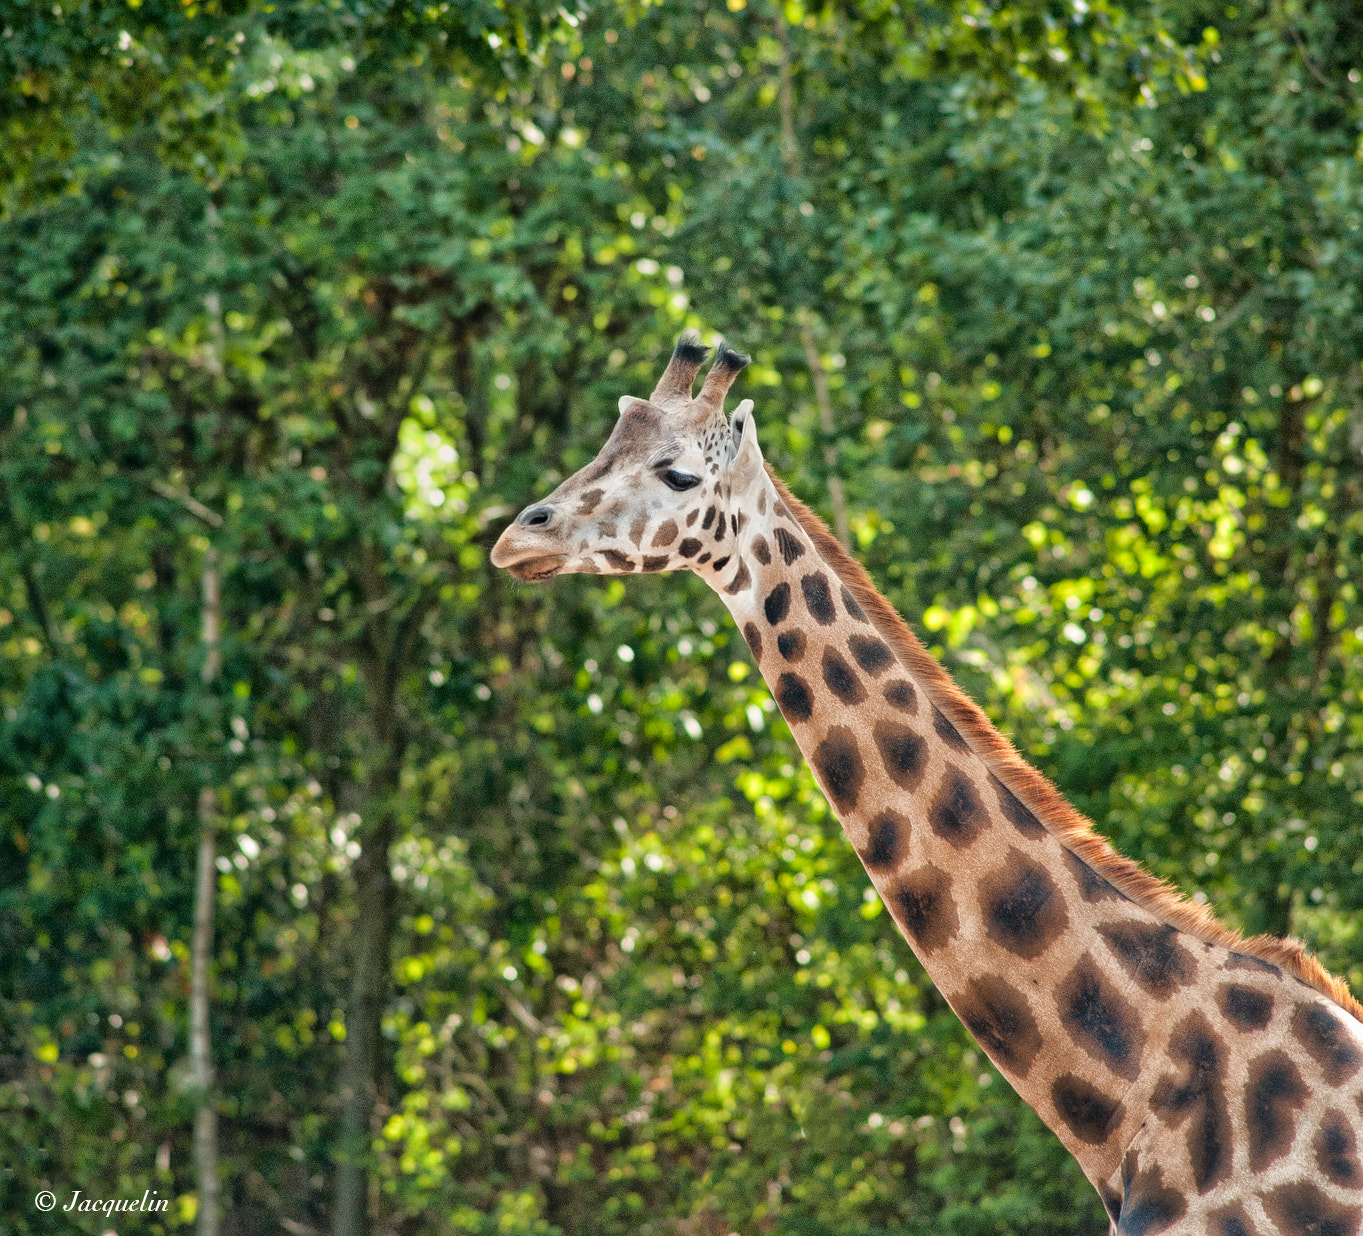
{"x": 728, "y": 365}
{"x": 680, "y": 375}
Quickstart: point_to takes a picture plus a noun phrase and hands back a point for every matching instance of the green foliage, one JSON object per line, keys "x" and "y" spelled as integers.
{"x": 365, "y": 280}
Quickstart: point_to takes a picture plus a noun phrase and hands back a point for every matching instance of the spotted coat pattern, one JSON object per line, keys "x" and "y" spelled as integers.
{"x": 1201, "y": 1090}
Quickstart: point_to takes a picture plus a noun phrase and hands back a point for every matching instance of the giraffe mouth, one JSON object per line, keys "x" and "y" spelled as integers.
{"x": 540, "y": 567}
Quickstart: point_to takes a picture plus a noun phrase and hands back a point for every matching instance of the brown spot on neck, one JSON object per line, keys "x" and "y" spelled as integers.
{"x": 1100, "y": 872}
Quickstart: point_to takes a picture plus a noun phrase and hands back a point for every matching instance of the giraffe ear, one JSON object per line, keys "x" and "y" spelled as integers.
{"x": 745, "y": 456}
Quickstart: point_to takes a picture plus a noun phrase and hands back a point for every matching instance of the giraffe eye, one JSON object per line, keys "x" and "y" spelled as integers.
{"x": 680, "y": 481}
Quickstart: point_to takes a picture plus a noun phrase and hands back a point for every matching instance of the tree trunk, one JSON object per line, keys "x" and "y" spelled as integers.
{"x": 368, "y": 994}
{"x": 383, "y": 651}
{"x": 201, "y": 956}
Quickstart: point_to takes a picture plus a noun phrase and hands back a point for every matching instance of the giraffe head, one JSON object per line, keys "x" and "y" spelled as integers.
{"x": 664, "y": 491}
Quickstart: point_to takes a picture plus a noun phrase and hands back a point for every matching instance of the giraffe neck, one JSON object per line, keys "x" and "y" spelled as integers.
{"x": 1204, "y": 1083}
{"x": 1077, "y": 992}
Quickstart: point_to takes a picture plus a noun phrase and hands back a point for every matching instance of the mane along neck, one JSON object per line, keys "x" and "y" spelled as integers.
{"x": 1067, "y": 825}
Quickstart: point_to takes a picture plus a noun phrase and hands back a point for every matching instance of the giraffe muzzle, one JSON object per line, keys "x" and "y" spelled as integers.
{"x": 540, "y": 567}
{"x": 521, "y": 549}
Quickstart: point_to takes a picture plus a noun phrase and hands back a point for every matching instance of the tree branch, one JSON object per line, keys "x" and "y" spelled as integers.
{"x": 191, "y": 504}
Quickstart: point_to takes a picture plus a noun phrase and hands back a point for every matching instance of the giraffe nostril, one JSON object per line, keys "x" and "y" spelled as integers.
{"x": 537, "y": 517}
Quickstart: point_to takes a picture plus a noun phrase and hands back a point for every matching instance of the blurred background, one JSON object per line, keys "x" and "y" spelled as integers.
{"x": 528, "y": 916}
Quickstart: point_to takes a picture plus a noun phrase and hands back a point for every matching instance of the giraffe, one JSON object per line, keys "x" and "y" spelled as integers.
{"x": 1206, "y": 1083}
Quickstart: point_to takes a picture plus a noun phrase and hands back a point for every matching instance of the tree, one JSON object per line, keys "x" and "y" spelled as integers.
{"x": 539, "y": 880}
